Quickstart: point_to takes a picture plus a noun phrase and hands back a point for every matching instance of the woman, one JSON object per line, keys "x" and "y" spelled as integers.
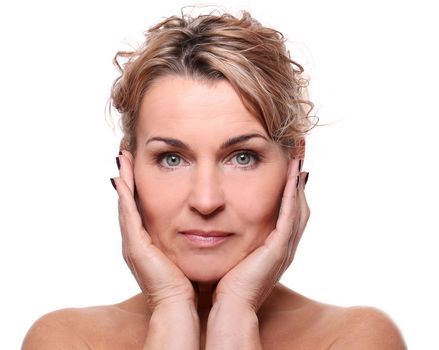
{"x": 211, "y": 202}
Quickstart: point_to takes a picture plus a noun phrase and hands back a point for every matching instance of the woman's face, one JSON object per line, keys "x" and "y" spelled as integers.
{"x": 204, "y": 163}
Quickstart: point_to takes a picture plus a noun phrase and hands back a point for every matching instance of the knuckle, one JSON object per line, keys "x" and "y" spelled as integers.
{"x": 307, "y": 212}
{"x": 126, "y": 255}
{"x": 131, "y": 256}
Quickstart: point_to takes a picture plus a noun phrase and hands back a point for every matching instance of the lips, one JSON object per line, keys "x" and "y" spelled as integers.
{"x": 206, "y": 233}
{"x": 205, "y": 238}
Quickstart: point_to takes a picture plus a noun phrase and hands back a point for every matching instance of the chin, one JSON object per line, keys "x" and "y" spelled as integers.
{"x": 206, "y": 272}
{"x": 204, "y": 278}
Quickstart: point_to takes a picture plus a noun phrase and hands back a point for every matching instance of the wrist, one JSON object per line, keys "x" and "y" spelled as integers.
{"x": 186, "y": 310}
{"x": 232, "y": 325}
{"x": 233, "y": 309}
{"x": 227, "y": 313}
{"x": 173, "y": 326}
{"x": 233, "y": 303}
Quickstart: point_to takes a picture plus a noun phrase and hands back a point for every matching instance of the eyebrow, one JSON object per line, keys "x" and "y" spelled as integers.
{"x": 228, "y": 143}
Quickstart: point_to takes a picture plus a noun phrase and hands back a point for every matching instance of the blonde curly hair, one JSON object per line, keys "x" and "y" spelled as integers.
{"x": 251, "y": 57}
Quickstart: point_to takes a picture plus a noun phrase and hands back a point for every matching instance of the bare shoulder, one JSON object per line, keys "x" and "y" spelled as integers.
{"x": 292, "y": 321}
{"x": 367, "y": 328}
{"x": 98, "y": 327}
{"x": 55, "y": 330}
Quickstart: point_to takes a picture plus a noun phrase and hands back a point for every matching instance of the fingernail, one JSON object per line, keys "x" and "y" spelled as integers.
{"x": 118, "y": 162}
{"x": 297, "y": 181}
{"x": 113, "y": 183}
{"x": 306, "y": 177}
{"x": 120, "y": 153}
{"x": 300, "y": 165}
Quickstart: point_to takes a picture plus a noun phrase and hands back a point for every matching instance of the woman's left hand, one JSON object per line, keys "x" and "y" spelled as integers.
{"x": 251, "y": 281}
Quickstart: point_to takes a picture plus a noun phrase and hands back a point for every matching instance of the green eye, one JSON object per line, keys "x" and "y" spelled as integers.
{"x": 173, "y": 160}
{"x": 243, "y": 158}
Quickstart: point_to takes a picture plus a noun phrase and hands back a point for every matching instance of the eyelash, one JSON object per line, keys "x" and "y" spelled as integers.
{"x": 158, "y": 158}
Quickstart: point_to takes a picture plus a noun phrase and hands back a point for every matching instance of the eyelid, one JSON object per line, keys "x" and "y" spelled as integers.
{"x": 160, "y": 156}
{"x": 256, "y": 158}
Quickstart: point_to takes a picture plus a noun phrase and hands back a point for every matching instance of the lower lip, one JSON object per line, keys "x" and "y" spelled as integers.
{"x": 202, "y": 241}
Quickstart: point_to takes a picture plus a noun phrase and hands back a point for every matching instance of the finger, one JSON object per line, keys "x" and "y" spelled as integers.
{"x": 302, "y": 202}
{"x": 127, "y": 169}
{"x": 278, "y": 240}
{"x": 287, "y": 211}
{"x": 302, "y": 217}
{"x": 133, "y": 232}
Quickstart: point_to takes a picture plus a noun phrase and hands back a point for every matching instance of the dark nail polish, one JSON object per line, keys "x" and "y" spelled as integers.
{"x": 113, "y": 183}
{"x": 297, "y": 181}
{"x": 120, "y": 153}
{"x": 306, "y": 178}
{"x": 300, "y": 165}
{"x": 118, "y": 162}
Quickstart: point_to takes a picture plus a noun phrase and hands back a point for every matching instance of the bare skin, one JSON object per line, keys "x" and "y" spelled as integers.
{"x": 287, "y": 320}
{"x": 204, "y": 163}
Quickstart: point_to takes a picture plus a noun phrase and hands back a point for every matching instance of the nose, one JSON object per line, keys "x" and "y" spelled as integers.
{"x": 206, "y": 194}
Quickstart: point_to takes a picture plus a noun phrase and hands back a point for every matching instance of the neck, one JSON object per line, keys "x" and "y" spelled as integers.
{"x": 204, "y": 297}
{"x": 204, "y": 292}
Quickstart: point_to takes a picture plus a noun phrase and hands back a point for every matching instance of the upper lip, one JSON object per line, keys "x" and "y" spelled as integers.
{"x": 196, "y": 232}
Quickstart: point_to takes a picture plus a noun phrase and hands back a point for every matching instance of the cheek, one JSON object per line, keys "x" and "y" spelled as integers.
{"x": 159, "y": 200}
{"x": 258, "y": 199}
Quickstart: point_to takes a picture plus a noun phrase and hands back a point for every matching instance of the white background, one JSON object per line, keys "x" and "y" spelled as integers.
{"x": 373, "y": 235}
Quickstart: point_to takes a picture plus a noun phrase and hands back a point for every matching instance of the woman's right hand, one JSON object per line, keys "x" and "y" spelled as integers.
{"x": 160, "y": 280}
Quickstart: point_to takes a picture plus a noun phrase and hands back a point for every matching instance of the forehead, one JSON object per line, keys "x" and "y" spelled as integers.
{"x": 177, "y": 104}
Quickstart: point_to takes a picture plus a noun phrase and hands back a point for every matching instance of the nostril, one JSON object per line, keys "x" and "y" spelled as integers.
{"x": 206, "y": 203}
{"x": 207, "y": 212}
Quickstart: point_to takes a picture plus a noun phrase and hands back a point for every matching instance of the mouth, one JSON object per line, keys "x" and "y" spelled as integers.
{"x": 201, "y": 238}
